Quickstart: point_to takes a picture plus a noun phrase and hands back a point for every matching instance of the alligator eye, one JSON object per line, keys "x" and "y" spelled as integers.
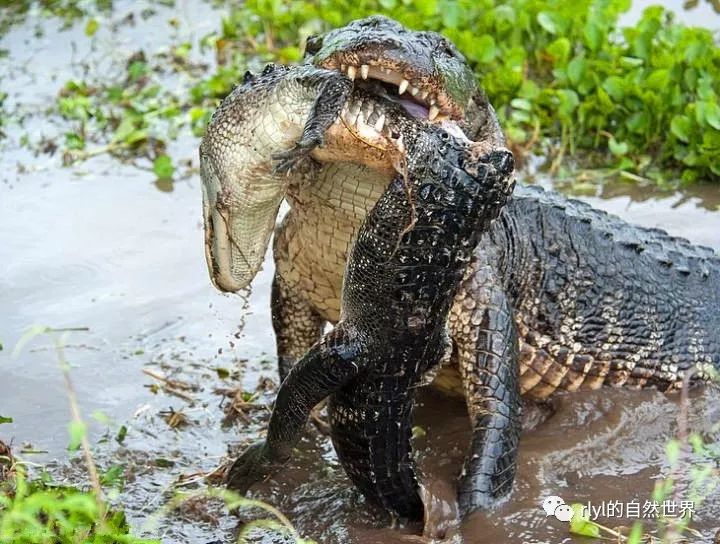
{"x": 313, "y": 44}
{"x": 449, "y": 49}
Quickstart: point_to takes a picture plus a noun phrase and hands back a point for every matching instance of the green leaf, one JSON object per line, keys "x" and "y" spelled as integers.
{"x": 615, "y": 87}
{"x": 636, "y": 533}
{"x": 452, "y": 13}
{"x": 712, "y": 114}
{"x": 576, "y": 70}
{"x": 163, "y": 167}
{"x": 638, "y": 122}
{"x": 122, "y": 433}
{"x": 5, "y": 419}
{"x": 521, "y": 104}
{"x": 485, "y": 48}
{"x": 631, "y": 62}
{"x": 568, "y": 101}
{"x": 91, "y": 27}
{"x": 617, "y": 148}
{"x": 672, "y": 450}
{"x": 426, "y": 7}
{"x": 77, "y": 432}
{"x": 658, "y": 80}
{"x": 580, "y": 523}
{"x": 113, "y": 476}
{"x": 593, "y": 34}
{"x": 680, "y": 126}
{"x": 101, "y": 417}
{"x": 74, "y": 141}
{"x": 547, "y": 21}
{"x": 126, "y": 127}
{"x": 137, "y": 69}
{"x": 559, "y": 49}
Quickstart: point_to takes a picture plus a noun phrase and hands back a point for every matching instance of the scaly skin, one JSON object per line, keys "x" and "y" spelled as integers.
{"x": 600, "y": 302}
{"x": 320, "y": 95}
{"x": 577, "y": 323}
{"x": 403, "y": 270}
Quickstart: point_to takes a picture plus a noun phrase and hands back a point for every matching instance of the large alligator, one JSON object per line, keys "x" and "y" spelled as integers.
{"x": 404, "y": 268}
{"x": 570, "y": 296}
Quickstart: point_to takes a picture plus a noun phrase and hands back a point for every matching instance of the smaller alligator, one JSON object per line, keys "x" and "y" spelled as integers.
{"x": 403, "y": 271}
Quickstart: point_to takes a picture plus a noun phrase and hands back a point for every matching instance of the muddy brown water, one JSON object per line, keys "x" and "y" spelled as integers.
{"x": 102, "y": 246}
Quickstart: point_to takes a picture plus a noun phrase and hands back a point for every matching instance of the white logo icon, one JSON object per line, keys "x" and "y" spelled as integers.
{"x": 555, "y": 506}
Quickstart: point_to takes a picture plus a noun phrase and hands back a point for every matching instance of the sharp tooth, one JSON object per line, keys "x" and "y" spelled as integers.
{"x": 414, "y": 90}
{"x": 433, "y": 101}
{"x": 351, "y": 72}
{"x": 343, "y": 67}
{"x": 403, "y": 86}
{"x": 433, "y": 113}
{"x": 424, "y": 94}
{"x": 364, "y": 71}
{"x": 380, "y": 123}
{"x": 352, "y": 112}
{"x": 360, "y": 120}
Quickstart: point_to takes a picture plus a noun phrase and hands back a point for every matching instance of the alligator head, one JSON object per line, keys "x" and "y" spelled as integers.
{"x": 423, "y": 71}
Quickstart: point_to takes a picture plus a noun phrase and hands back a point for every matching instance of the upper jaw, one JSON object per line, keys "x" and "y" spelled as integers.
{"x": 419, "y": 88}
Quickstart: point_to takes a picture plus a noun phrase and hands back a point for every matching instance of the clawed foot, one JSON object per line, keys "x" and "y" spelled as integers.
{"x": 295, "y": 158}
{"x": 254, "y": 465}
{"x": 485, "y": 483}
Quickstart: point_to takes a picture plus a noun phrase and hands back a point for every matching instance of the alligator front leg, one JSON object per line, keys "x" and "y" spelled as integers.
{"x": 333, "y": 93}
{"x": 485, "y": 334}
{"x": 296, "y": 324}
{"x": 328, "y": 366}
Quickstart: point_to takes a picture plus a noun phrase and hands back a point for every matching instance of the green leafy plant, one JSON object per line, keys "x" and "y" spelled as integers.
{"x": 41, "y": 512}
{"x": 567, "y": 82}
{"x": 562, "y": 76}
{"x": 132, "y": 118}
{"x": 37, "y": 512}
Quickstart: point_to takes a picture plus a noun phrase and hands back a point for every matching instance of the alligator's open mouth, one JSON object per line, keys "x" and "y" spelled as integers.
{"x": 421, "y": 95}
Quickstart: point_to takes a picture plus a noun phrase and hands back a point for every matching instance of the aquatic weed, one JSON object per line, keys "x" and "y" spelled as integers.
{"x": 39, "y": 511}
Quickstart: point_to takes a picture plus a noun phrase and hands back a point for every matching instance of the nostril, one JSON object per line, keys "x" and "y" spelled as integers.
{"x": 503, "y": 161}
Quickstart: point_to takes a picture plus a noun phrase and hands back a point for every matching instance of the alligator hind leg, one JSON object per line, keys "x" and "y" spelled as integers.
{"x": 297, "y": 326}
{"x": 329, "y": 365}
{"x": 484, "y": 332}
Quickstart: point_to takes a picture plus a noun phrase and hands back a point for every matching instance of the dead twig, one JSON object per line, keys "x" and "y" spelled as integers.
{"x": 171, "y": 386}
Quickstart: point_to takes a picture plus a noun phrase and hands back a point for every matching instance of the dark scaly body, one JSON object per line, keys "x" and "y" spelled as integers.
{"x": 600, "y": 302}
{"x": 402, "y": 273}
{"x": 558, "y": 292}
{"x": 398, "y": 292}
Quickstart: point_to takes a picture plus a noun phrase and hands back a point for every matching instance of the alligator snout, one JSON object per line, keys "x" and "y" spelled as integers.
{"x": 239, "y": 219}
